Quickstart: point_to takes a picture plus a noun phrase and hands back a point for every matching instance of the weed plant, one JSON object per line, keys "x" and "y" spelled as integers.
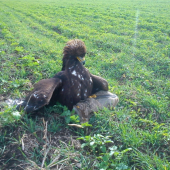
{"x": 128, "y": 44}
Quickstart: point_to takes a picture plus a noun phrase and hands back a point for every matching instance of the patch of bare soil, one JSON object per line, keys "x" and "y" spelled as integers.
{"x": 20, "y": 149}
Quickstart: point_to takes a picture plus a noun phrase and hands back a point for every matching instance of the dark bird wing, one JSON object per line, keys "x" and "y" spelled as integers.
{"x": 40, "y": 95}
{"x": 99, "y": 83}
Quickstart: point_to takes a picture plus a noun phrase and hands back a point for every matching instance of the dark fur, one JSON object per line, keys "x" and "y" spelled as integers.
{"x": 72, "y": 84}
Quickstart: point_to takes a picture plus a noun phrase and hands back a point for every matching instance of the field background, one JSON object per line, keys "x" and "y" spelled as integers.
{"x": 128, "y": 44}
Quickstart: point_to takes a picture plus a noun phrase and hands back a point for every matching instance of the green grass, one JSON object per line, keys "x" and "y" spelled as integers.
{"x": 128, "y": 44}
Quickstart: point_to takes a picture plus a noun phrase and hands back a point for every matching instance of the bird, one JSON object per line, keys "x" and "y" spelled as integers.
{"x": 74, "y": 83}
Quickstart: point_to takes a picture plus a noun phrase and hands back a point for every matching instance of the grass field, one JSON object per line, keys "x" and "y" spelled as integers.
{"x": 128, "y": 44}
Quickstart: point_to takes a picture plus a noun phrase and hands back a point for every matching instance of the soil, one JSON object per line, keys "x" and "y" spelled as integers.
{"x": 21, "y": 149}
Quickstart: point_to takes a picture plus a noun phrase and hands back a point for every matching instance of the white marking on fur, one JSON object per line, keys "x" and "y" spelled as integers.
{"x": 70, "y": 67}
{"x": 74, "y": 73}
{"x": 62, "y": 89}
{"x": 90, "y": 79}
{"x": 35, "y": 95}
